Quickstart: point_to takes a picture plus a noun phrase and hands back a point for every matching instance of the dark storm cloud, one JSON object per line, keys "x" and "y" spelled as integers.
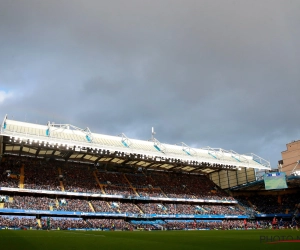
{"x": 217, "y": 73}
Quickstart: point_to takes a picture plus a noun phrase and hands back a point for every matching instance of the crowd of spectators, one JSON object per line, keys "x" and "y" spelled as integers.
{"x": 158, "y": 208}
{"x": 30, "y": 222}
{"x": 117, "y": 190}
{"x": 10, "y": 171}
{"x": 41, "y": 175}
{"x": 176, "y": 185}
{"x": 115, "y": 184}
{"x": 112, "y": 178}
{"x": 101, "y": 206}
{"x": 151, "y": 192}
{"x": 80, "y": 178}
{"x": 126, "y": 207}
{"x": 82, "y": 205}
{"x": 64, "y": 223}
{"x": 222, "y": 224}
{"x": 222, "y": 209}
{"x": 139, "y": 180}
{"x": 73, "y": 205}
{"x": 18, "y": 222}
{"x": 152, "y": 208}
{"x": 271, "y": 204}
{"x": 267, "y": 204}
{"x": 30, "y": 202}
{"x": 247, "y": 206}
{"x": 180, "y": 209}
{"x": 290, "y": 202}
{"x": 211, "y": 225}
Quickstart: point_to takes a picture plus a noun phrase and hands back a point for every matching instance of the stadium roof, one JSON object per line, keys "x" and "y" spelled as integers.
{"x": 69, "y": 142}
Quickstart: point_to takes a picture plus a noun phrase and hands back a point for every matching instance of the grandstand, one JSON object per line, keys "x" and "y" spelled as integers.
{"x": 84, "y": 180}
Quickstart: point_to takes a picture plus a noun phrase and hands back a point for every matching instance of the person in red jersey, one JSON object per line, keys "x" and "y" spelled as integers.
{"x": 194, "y": 224}
{"x": 274, "y": 223}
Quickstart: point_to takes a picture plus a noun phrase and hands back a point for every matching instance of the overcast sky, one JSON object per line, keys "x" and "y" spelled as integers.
{"x": 208, "y": 73}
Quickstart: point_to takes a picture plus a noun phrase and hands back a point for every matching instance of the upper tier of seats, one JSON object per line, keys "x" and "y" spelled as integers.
{"x": 86, "y": 178}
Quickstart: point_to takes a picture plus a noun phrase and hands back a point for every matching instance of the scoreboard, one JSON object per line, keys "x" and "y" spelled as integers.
{"x": 275, "y": 181}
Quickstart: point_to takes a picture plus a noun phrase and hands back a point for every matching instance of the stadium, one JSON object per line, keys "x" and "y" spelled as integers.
{"x": 149, "y": 124}
{"x": 58, "y": 177}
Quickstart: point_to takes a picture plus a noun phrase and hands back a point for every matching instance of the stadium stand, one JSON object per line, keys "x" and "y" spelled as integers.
{"x": 123, "y": 184}
{"x": 80, "y": 178}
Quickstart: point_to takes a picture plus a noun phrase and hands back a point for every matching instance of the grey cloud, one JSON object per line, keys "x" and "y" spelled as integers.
{"x": 218, "y": 73}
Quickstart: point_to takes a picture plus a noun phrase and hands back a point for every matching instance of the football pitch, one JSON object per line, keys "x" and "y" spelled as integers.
{"x": 154, "y": 240}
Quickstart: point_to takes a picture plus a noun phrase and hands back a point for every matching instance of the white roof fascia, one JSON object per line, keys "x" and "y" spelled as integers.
{"x": 200, "y": 156}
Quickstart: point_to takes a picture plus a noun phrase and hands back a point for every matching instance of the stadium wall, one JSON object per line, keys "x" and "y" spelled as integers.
{"x": 228, "y": 178}
{"x": 1, "y": 145}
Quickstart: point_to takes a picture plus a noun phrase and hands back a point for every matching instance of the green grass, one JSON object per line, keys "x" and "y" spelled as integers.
{"x": 153, "y": 240}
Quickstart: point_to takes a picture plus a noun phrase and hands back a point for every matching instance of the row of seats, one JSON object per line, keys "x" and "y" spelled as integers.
{"x": 82, "y": 205}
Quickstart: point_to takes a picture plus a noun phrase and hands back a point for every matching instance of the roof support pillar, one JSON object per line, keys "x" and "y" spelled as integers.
{"x": 1, "y": 145}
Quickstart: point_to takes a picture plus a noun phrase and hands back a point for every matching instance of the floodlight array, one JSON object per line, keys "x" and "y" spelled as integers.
{"x": 129, "y": 156}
